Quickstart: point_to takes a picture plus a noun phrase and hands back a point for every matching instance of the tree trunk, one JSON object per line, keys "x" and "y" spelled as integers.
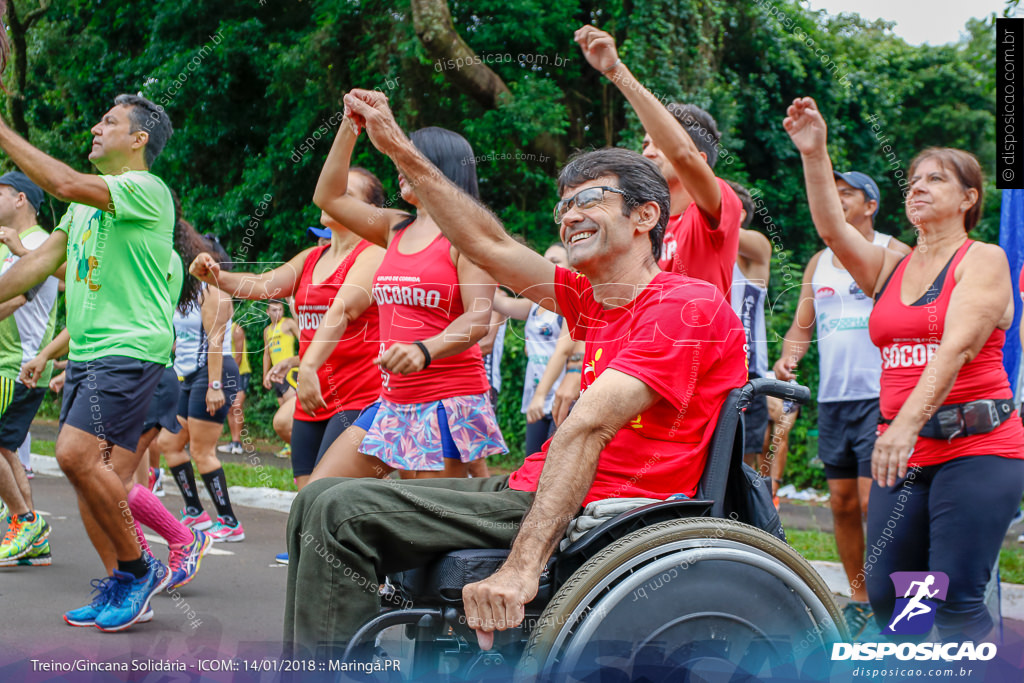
{"x": 19, "y": 67}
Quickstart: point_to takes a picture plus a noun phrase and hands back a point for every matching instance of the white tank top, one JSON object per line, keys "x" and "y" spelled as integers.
{"x": 748, "y": 299}
{"x": 191, "y": 346}
{"x": 849, "y": 365}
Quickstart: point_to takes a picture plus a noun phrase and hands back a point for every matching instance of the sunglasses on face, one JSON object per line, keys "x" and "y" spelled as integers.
{"x": 584, "y": 199}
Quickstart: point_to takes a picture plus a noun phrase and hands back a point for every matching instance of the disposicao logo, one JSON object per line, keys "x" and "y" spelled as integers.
{"x": 914, "y": 614}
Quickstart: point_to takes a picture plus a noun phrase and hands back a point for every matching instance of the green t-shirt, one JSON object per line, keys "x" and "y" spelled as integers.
{"x": 116, "y": 289}
{"x": 25, "y": 332}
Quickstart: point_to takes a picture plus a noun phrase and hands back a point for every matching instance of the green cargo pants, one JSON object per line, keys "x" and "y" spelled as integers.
{"x": 345, "y": 535}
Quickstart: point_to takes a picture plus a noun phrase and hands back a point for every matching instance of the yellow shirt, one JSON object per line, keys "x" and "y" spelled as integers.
{"x": 280, "y": 343}
{"x": 243, "y": 367}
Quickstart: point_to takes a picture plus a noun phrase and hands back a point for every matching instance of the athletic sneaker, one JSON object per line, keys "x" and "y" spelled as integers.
{"x": 156, "y": 481}
{"x": 129, "y": 597}
{"x": 184, "y": 559}
{"x": 282, "y": 558}
{"x": 37, "y": 556}
{"x": 226, "y": 532}
{"x": 198, "y": 522}
{"x": 285, "y": 452}
{"x": 86, "y": 616}
{"x": 21, "y": 535}
{"x": 857, "y": 615}
{"x": 29, "y": 473}
{"x": 234, "y": 448}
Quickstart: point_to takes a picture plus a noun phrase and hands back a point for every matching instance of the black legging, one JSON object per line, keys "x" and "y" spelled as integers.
{"x": 949, "y": 518}
{"x": 537, "y": 433}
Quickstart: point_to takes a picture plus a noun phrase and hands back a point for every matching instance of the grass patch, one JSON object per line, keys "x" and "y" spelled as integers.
{"x": 813, "y": 545}
{"x": 1011, "y": 565}
{"x": 40, "y": 447}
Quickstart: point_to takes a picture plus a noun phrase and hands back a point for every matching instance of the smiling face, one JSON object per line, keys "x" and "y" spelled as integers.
{"x": 936, "y": 193}
{"x": 113, "y": 142}
{"x": 596, "y": 234}
{"x": 857, "y": 208}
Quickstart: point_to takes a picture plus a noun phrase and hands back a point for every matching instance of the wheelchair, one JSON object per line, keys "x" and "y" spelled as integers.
{"x": 675, "y": 590}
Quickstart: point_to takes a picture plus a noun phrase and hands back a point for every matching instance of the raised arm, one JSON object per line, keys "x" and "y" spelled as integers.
{"x": 35, "y": 266}
{"x": 975, "y": 310}
{"x": 370, "y": 222}
{"x": 278, "y": 283}
{"x": 54, "y": 177}
{"x": 609, "y": 403}
{"x": 468, "y": 225}
{"x": 801, "y": 332}
{"x": 675, "y": 143}
{"x": 352, "y": 300}
{"x": 869, "y": 264}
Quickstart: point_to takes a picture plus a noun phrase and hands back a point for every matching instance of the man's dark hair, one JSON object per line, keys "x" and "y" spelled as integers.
{"x": 637, "y": 176}
{"x": 701, "y": 126}
{"x": 451, "y": 153}
{"x": 374, "y": 190}
{"x": 151, "y": 118}
{"x": 746, "y": 200}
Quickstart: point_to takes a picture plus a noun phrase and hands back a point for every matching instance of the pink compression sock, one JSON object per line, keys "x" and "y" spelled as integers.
{"x": 148, "y": 509}
{"x": 143, "y": 543}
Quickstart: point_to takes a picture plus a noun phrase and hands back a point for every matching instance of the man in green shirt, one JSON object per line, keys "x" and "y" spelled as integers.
{"x": 26, "y": 325}
{"x": 116, "y": 238}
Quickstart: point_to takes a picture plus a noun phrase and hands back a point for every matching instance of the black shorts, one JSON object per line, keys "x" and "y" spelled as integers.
{"x": 281, "y": 388}
{"x": 310, "y": 440}
{"x": 18, "y": 416}
{"x": 243, "y": 383}
{"x": 755, "y": 422}
{"x": 846, "y": 437}
{"x": 108, "y": 397}
{"x": 163, "y": 407}
{"x": 192, "y": 397}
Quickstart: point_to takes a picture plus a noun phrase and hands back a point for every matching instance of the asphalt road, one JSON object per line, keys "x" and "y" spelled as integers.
{"x": 237, "y": 597}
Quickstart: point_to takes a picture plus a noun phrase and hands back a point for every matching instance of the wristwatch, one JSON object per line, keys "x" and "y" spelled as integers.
{"x": 215, "y": 385}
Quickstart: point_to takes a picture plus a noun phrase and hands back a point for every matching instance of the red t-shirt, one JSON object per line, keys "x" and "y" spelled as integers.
{"x": 348, "y": 378}
{"x": 909, "y": 336}
{"x": 419, "y": 296}
{"x": 693, "y": 248}
{"x": 680, "y": 337}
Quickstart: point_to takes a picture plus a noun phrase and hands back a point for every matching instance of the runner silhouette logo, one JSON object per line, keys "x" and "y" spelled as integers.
{"x": 914, "y": 612}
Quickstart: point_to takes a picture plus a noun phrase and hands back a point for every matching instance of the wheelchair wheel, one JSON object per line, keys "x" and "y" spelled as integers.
{"x": 689, "y": 599}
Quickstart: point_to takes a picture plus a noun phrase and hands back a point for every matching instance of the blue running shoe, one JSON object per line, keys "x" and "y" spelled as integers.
{"x": 129, "y": 597}
{"x": 184, "y": 559}
{"x": 86, "y": 616}
{"x": 282, "y": 558}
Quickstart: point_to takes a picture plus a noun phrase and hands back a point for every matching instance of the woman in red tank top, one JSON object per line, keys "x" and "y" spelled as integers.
{"x": 434, "y": 416}
{"x": 341, "y": 272}
{"x": 948, "y": 464}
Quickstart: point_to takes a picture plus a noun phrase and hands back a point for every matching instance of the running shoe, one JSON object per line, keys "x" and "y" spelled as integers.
{"x": 857, "y": 615}
{"x": 158, "y": 483}
{"x": 184, "y": 559}
{"x": 86, "y": 616}
{"x": 282, "y": 558}
{"x": 285, "y": 452}
{"x": 21, "y": 535}
{"x": 129, "y": 597}
{"x": 233, "y": 448}
{"x": 198, "y": 522}
{"x": 37, "y": 556}
{"x": 3, "y": 512}
{"x": 226, "y": 532}
{"x": 29, "y": 473}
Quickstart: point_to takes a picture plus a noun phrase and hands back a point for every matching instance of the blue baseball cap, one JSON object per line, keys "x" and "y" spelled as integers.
{"x": 21, "y": 183}
{"x": 863, "y": 182}
{"x": 322, "y": 233}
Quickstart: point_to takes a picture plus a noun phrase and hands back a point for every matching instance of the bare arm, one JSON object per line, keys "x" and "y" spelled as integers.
{"x": 216, "y": 314}
{"x": 278, "y": 283}
{"x": 35, "y": 266}
{"x": 973, "y": 314}
{"x": 353, "y": 298}
{"x": 801, "y": 332}
{"x": 755, "y": 256}
{"x": 266, "y": 357}
{"x": 552, "y": 371}
{"x": 487, "y": 343}
{"x": 474, "y": 231}
{"x": 331, "y": 194}
{"x": 33, "y": 370}
{"x": 868, "y": 264}
{"x": 675, "y": 143}
{"x": 512, "y": 307}
{"x": 54, "y": 177}
{"x": 8, "y": 307}
{"x": 237, "y": 343}
{"x": 611, "y": 401}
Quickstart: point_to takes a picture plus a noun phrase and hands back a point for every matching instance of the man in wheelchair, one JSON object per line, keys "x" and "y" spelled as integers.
{"x": 663, "y": 351}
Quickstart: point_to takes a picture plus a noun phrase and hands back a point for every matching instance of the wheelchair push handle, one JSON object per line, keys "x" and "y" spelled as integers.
{"x": 779, "y": 389}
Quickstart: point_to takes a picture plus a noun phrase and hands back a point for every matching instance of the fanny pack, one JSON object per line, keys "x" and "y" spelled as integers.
{"x": 965, "y": 419}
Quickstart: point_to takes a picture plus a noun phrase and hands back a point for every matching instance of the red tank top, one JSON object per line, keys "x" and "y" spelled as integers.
{"x": 908, "y": 337}
{"x": 348, "y": 378}
{"x": 418, "y": 295}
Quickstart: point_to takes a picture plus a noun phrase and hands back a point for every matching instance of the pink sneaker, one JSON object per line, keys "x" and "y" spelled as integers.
{"x": 199, "y": 523}
{"x": 225, "y": 532}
